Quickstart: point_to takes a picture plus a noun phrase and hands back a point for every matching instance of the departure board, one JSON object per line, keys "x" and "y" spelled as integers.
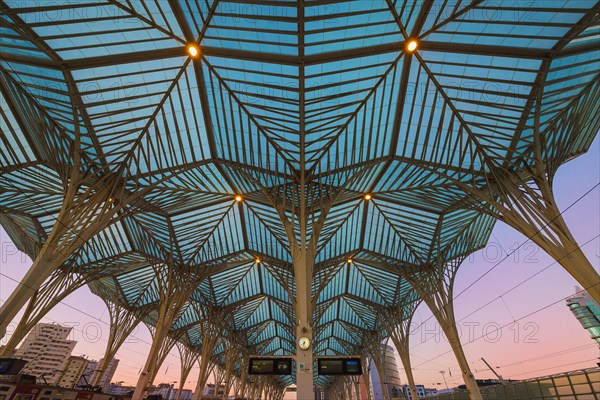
{"x": 353, "y": 367}
{"x": 270, "y": 366}
{"x": 339, "y": 366}
{"x": 331, "y": 367}
{"x": 261, "y": 366}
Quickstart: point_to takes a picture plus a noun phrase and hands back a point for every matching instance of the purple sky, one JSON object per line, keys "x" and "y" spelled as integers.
{"x": 539, "y": 343}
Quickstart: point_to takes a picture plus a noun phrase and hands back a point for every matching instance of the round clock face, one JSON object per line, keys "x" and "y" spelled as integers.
{"x": 304, "y": 343}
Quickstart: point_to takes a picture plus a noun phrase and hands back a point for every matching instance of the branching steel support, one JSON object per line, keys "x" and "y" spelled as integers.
{"x": 356, "y": 387}
{"x": 165, "y": 348}
{"x": 231, "y": 354}
{"x": 61, "y": 283}
{"x": 378, "y": 357}
{"x": 400, "y": 340}
{"x": 85, "y": 212}
{"x": 188, "y": 358}
{"x": 524, "y": 199}
{"x": 122, "y": 323}
{"x": 349, "y": 384}
{"x": 174, "y": 287}
{"x": 397, "y": 323}
{"x": 236, "y": 386}
{"x": 435, "y": 286}
{"x": 206, "y": 369}
{"x": 243, "y": 375}
{"x": 531, "y": 208}
{"x": 211, "y": 333}
{"x": 219, "y": 378}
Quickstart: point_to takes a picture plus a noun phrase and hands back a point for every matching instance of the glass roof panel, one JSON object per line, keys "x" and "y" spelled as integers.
{"x": 349, "y": 25}
{"x": 301, "y": 110}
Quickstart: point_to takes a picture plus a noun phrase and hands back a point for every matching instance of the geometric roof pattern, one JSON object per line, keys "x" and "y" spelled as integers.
{"x": 300, "y": 108}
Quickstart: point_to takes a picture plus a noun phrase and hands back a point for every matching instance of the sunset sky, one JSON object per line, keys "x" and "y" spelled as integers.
{"x": 517, "y": 299}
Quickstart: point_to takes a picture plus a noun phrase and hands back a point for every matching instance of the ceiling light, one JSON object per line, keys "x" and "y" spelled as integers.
{"x": 411, "y": 46}
{"x": 368, "y": 197}
{"x": 193, "y": 50}
{"x": 238, "y": 198}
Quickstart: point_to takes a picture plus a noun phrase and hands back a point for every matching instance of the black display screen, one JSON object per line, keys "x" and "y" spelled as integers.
{"x": 331, "y": 367}
{"x": 270, "y": 366}
{"x": 353, "y": 367}
{"x": 261, "y": 366}
{"x": 11, "y": 366}
{"x": 339, "y": 366}
{"x": 283, "y": 366}
{"x": 5, "y": 365}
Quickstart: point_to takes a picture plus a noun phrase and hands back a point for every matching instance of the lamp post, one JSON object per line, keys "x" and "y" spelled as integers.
{"x": 444, "y": 376}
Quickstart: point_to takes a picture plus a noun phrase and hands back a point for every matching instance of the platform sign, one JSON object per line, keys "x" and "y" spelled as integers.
{"x": 270, "y": 366}
{"x": 339, "y": 366}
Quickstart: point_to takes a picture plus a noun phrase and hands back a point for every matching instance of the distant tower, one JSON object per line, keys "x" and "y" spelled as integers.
{"x": 391, "y": 378}
{"x": 108, "y": 373}
{"x": 92, "y": 370}
{"x": 72, "y": 373}
{"x": 88, "y": 375}
{"x": 587, "y": 311}
{"x": 47, "y": 350}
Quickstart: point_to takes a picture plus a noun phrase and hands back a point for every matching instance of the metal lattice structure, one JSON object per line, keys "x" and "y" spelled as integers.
{"x": 303, "y": 170}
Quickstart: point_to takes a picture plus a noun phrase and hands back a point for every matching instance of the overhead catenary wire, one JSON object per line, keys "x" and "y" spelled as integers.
{"x": 62, "y": 301}
{"x": 508, "y": 324}
{"x": 510, "y": 290}
{"x": 451, "y": 301}
{"x": 75, "y": 328}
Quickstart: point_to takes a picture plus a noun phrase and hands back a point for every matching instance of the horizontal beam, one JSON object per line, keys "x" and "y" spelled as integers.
{"x": 269, "y": 357}
{"x": 115, "y": 59}
{"x": 28, "y": 60}
{"x": 574, "y": 50}
{"x": 335, "y": 357}
{"x": 326, "y": 57}
{"x": 485, "y": 50}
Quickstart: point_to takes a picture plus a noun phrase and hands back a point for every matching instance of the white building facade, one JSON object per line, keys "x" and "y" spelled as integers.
{"x": 72, "y": 373}
{"x": 47, "y": 350}
{"x": 109, "y": 372}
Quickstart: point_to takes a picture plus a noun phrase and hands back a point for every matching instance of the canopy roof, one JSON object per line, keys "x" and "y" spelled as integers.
{"x": 292, "y": 105}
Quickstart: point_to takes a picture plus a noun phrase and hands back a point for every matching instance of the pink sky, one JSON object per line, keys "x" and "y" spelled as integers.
{"x": 545, "y": 342}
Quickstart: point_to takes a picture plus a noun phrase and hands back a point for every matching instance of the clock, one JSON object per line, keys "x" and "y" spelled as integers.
{"x": 304, "y": 343}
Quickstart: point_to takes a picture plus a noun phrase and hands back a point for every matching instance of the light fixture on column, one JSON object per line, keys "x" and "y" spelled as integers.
{"x": 257, "y": 260}
{"x": 368, "y": 197}
{"x": 238, "y": 198}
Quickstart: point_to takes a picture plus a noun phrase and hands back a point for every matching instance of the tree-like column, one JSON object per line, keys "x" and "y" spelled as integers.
{"x": 373, "y": 345}
{"x": 397, "y": 322}
{"x": 188, "y": 358}
{"x": 211, "y": 323}
{"x": 61, "y": 283}
{"x": 173, "y": 289}
{"x": 435, "y": 284}
{"x": 122, "y": 323}
{"x": 231, "y": 357}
